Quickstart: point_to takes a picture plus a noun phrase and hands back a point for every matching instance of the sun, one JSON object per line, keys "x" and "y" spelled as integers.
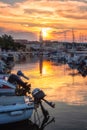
{"x": 45, "y": 32}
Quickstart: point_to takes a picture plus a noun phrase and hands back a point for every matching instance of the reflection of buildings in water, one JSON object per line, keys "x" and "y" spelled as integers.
{"x": 73, "y": 79}
{"x": 73, "y": 73}
{"x": 41, "y": 64}
{"x": 57, "y": 85}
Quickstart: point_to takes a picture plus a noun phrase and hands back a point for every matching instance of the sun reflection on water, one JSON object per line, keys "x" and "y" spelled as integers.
{"x": 56, "y": 82}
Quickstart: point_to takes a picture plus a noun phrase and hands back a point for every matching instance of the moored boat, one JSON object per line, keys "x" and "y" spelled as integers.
{"x": 15, "y": 108}
{"x": 17, "y": 102}
{"x": 18, "y": 108}
{"x": 13, "y": 85}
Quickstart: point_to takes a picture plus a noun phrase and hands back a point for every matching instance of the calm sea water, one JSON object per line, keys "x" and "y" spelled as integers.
{"x": 63, "y": 87}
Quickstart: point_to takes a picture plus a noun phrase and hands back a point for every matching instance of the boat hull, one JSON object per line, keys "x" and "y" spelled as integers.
{"x": 12, "y": 113}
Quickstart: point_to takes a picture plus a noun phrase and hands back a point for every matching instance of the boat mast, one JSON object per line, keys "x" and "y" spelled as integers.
{"x": 73, "y": 40}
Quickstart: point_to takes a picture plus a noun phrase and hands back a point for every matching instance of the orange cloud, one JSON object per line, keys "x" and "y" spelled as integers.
{"x": 32, "y": 15}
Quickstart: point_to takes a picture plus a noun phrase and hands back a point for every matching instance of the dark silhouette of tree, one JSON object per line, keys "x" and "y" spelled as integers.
{"x": 7, "y": 43}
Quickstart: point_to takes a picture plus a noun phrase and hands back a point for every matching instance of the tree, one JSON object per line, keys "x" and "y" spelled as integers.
{"x": 7, "y": 42}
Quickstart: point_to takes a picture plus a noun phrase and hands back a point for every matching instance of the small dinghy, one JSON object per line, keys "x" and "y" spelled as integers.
{"x": 12, "y": 84}
{"x": 6, "y": 88}
{"x": 18, "y": 108}
{"x": 15, "y": 108}
{"x": 17, "y": 102}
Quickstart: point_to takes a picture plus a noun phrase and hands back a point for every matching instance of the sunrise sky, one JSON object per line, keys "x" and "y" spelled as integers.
{"x": 25, "y": 18}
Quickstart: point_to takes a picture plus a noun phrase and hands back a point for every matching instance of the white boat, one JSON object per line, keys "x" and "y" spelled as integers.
{"x": 6, "y": 88}
{"x": 12, "y": 84}
{"x": 18, "y": 108}
{"x": 15, "y": 105}
{"x": 15, "y": 108}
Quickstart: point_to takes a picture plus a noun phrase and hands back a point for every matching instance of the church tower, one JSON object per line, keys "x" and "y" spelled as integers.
{"x": 41, "y": 37}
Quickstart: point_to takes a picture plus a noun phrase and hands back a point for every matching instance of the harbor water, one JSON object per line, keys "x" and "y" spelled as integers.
{"x": 64, "y": 87}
